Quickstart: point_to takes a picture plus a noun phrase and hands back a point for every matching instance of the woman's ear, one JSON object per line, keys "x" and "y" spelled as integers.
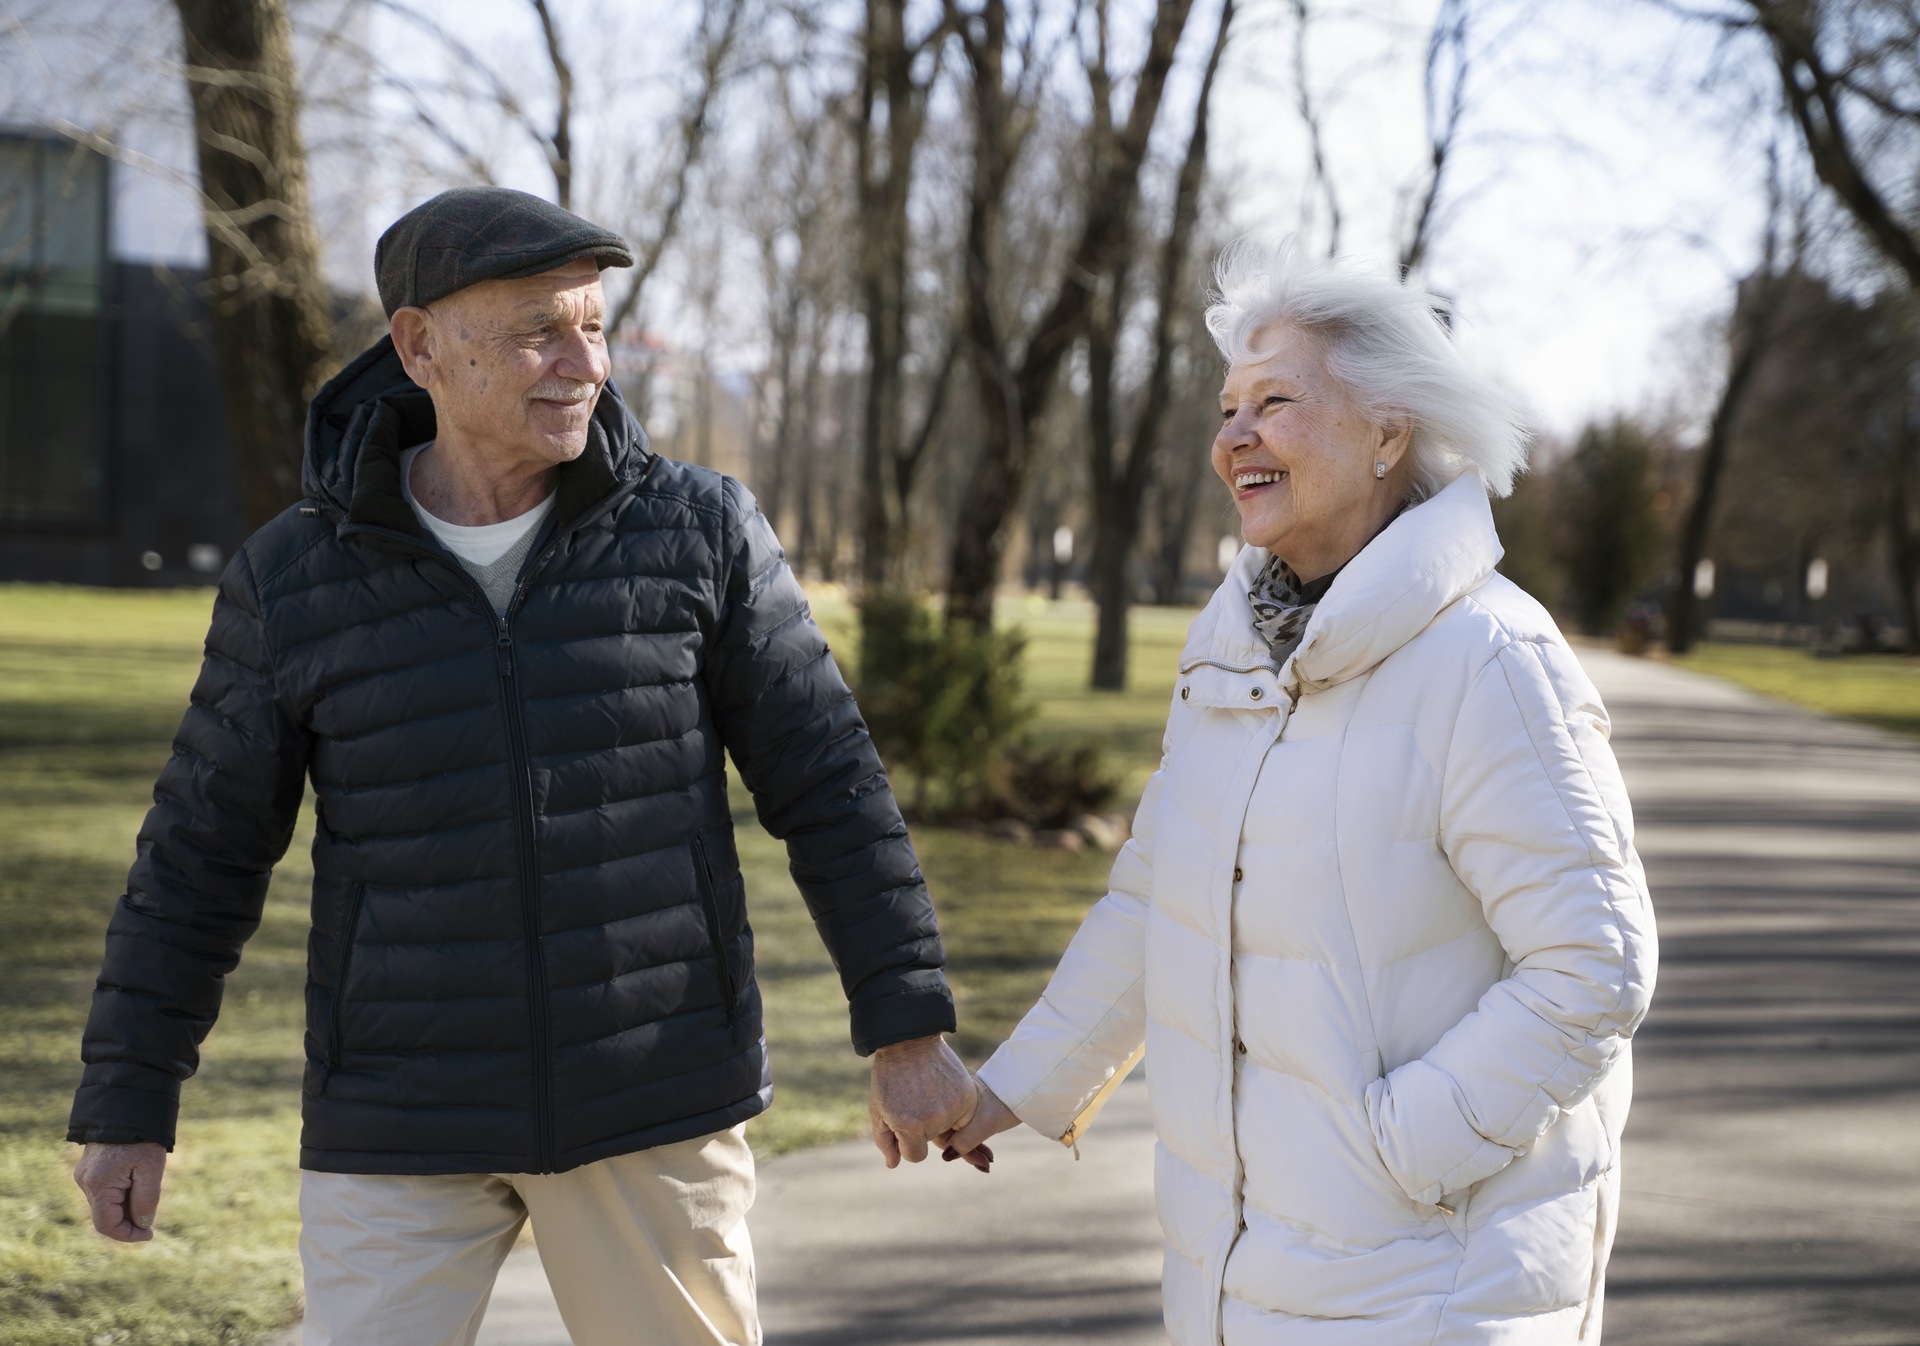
{"x": 1395, "y": 439}
{"x": 412, "y": 330}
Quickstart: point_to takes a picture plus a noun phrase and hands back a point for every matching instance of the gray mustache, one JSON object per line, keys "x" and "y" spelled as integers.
{"x": 565, "y": 391}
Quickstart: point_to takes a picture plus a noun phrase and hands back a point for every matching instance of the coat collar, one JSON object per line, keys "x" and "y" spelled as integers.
{"x": 1425, "y": 560}
{"x": 368, "y": 413}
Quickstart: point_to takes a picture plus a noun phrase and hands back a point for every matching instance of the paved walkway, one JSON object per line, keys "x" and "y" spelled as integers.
{"x": 1773, "y": 1158}
{"x": 1773, "y": 1155}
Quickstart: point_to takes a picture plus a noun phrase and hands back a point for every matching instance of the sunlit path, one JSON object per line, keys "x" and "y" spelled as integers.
{"x": 1772, "y": 1160}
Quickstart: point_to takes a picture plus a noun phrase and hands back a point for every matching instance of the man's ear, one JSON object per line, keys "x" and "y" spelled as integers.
{"x": 413, "y": 341}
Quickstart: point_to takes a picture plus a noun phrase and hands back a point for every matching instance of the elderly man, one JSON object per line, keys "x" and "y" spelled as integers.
{"x": 509, "y": 644}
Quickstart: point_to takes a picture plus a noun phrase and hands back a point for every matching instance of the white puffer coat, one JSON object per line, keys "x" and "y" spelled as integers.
{"x": 1384, "y": 934}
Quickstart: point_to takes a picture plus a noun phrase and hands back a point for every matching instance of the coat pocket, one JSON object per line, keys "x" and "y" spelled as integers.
{"x": 336, "y": 1009}
{"x": 716, "y": 928}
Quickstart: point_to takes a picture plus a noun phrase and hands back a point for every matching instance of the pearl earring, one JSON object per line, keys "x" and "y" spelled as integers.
{"x": 1379, "y": 471}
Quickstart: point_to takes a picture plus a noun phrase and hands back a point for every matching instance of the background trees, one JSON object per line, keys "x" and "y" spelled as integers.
{"x": 927, "y": 272}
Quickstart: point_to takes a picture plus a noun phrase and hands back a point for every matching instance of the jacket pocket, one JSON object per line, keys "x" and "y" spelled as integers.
{"x": 716, "y": 929}
{"x": 356, "y": 898}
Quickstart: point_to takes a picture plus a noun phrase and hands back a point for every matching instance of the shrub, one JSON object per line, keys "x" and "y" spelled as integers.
{"x": 942, "y": 699}
{"x": 1609, "y": 535}
{"x": 1050, "y": 787}
{"x": 947, "y": 706}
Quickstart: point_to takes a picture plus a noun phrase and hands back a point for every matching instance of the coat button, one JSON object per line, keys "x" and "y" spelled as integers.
{"x": 1237, "y": 875}
{"x": 1256, "y": 694}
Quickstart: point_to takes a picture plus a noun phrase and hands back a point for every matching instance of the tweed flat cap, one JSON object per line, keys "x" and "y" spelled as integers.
{"x": 470, "y": 234}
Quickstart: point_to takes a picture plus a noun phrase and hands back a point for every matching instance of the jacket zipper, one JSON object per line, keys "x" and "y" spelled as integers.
{"x": 527, "y": 859}
{"x": 716, "y": 932}
{"x": 522, "y": 771}
{"x": 355, "y": 898}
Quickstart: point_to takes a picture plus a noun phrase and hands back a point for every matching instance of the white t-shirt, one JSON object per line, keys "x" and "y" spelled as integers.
{"x": 478, "y": 545}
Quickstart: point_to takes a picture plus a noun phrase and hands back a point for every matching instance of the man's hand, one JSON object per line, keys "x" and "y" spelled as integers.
{"x": 122, "y": 1183}
{"x": 920, "y": 1091}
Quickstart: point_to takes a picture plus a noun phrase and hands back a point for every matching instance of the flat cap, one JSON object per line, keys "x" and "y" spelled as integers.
{"x": 470, "y": 234}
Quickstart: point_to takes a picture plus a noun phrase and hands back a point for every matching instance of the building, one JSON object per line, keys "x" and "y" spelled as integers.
{"x": 114, "y": 465}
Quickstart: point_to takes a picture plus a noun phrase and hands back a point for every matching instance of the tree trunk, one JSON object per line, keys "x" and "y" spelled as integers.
{"x": 1902, "y": 541}
{"x": 1120, "y": 484}
{"x": 1012, "y": 395}
{"x": 886, "y": 143}
{"x": 268, "y": 305}
{"x": 1174, "y": 507}
{"x": 1749, "y": 340}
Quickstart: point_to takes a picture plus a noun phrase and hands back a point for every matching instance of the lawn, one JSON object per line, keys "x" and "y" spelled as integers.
{"x": 91, "y": 686}
{"x": 1877, "y": 689}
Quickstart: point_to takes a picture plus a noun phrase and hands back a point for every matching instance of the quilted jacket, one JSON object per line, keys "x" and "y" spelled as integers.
{"x": 1384, "y": 934}
{"x": 529, "y": 945}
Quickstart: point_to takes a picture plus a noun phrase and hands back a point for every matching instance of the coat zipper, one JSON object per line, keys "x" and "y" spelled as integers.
{"x": 525, "y": 849}
{"x": 528, "y": 862}
{"x": 716, "y": 932}
{"x": 355, "y": 899}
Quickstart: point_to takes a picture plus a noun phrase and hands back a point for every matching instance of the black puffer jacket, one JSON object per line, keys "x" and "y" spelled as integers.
{"x": 530, "y": 947}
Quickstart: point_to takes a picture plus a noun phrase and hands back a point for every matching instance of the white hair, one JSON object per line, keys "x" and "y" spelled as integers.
{"x": 1386, "y": 345}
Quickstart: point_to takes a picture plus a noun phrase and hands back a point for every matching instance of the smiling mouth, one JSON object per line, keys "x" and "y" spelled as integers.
{"x": 1247, "y": 481}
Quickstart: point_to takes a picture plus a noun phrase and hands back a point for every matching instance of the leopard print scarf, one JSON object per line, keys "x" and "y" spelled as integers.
{"x": 1282, "y": 605}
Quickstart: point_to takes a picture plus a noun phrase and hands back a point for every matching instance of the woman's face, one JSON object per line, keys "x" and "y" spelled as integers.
{"x": 1299, "y": 457}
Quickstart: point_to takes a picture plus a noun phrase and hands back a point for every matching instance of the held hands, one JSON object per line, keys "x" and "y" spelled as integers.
{"x": 122, "y": 1183}
{"x": 922, "y": 1093}
{"x": 990, "y": 1118}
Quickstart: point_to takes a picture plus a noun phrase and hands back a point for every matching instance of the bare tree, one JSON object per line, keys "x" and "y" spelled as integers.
{"x": 1121, "y": 465}
{"x": 1847, "y": 61}
{"x": 652, "y": 214}
{"x": 1014, "y": 372}
{"x": 1312, "y": 118}
{"x": 1752, "y": 327}
{"x": 1448, "y": 67}
{"x": 664, "y": 205}
{"x": 268, "y": 304}
{"x": 1848, "y": 72}
{"x": 897, "y": 70}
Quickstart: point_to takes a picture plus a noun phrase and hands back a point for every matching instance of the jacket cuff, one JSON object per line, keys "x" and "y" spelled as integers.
{"x": 902, "y": 1017}
{"x": 120, "y": 1114}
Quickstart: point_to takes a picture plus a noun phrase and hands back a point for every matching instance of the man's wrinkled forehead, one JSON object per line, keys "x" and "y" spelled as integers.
{"x": 569, "y": 292}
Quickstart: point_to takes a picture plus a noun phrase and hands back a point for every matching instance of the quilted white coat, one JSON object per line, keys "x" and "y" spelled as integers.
{"x": 1384, "y": 934}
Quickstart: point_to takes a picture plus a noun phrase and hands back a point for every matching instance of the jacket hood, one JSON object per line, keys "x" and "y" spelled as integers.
{"x": 358, "y": 424}
{"x": 1426, "y": 559}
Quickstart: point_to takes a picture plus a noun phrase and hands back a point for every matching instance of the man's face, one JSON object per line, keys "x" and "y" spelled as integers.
{"x": 514, "y": 366}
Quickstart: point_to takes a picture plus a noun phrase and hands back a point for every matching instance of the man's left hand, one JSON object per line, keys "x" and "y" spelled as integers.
{"x": 920, "y": 1091}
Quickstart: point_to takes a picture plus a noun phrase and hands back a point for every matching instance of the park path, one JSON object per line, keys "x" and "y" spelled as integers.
{"x": 1773, "y": 1157}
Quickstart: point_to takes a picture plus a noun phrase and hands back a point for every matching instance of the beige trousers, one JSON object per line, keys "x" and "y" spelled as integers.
{"x": 646, "y": 1249}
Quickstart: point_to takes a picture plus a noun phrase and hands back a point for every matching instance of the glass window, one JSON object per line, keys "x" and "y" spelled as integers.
{"x": 52, "y": 332}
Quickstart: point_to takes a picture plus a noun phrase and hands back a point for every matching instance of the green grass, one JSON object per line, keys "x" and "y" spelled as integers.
{"x": 1877, "y": 689}
{"x": 92, "y": 685}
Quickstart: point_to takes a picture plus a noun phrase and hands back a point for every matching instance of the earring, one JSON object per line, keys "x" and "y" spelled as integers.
{"x": 1379, "y": 471}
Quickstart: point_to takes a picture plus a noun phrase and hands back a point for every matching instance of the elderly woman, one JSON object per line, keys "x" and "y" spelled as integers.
{"x": 1381, "y": 927}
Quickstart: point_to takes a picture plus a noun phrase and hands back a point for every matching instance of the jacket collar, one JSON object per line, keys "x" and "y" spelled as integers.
{"x": 368, "y": 413}
{"x": 1426, "y": 559}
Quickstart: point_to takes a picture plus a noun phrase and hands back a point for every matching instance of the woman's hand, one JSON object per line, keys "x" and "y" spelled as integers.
{"x": 990, "y": 1117}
